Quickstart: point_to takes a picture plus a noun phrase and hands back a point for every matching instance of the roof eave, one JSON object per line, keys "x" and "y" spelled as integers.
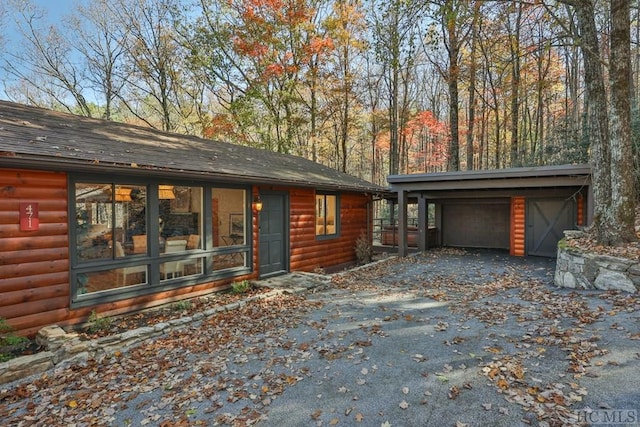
{"x": 71, "y": 165}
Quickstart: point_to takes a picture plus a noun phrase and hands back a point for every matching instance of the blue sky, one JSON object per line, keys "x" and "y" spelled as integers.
{"x": 54, "y": 11}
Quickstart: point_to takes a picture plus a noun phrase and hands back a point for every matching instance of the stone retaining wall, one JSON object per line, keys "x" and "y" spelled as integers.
{"x": 64, "y": 348}
{"x": 578, "y": 270}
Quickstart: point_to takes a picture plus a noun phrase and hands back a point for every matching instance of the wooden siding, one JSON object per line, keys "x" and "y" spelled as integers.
{"x": 309, "y": 252}
{"x": 517, "y": 246}
{"x": 34, "y": 265}
{"x": 580, "y": 210}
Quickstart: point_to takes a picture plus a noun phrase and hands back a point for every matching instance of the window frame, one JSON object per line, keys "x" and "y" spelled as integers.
{"x": 154, "y": 258}
{"x": 325, "y": 235}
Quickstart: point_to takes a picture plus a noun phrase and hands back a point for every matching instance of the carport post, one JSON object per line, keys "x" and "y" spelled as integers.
{"x": 403, "y": 250}
{"x": 423, "y": 223}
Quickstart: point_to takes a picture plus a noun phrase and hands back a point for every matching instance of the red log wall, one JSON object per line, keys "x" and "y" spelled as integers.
{"x": 34, "y": 265}
{"x": 307, "y": 252}
{"x": 517, "y": 226}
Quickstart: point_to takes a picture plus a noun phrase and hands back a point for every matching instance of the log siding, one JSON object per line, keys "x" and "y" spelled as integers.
{"x": 309, "y": 252}
{"x": 34, "y": 265}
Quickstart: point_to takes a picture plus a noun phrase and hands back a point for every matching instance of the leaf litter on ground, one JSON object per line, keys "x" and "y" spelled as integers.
{"x": 230, "y": 368}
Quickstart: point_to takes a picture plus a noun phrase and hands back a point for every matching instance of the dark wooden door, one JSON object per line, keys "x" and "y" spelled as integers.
{"x": 273, "y": 235}
{"x": 546, "y": 221}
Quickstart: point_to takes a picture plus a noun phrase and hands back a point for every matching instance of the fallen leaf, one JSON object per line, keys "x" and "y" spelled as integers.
{"x": 359, "y": 417}
{"x": 316, "y": 414}
{"x": 418, "y": 357}
{"x": 503, "y": 384}
{"x": 404, "y": 405}
{"x": 454, "y": 392}
{"x": 487, "y": 406}
{"x": 334, "y": 421}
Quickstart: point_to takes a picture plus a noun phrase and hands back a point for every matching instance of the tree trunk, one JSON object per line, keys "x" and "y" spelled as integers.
{"x": 452, "y": 82}
{"x": 611, "y": 161}
{"x": 622, "y": 186}
{"x": 515, "y": 86}
{"x": 472, "y": 86}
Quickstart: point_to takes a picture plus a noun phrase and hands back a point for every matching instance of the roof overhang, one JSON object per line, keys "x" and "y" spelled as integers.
{"x": 498, "y": 179}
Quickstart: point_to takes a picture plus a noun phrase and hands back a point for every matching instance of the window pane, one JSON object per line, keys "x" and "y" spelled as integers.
{"x": 180, "y": 222}
{"x": 131, "y": 215}
{"x": 192, "y": 267}
{"x": 331, "y": 206}
{"x": 229, "y": 220}
{"x": 221, "y": 262}
{"x": 111, "y": 279}
{"x": 93, "y": 221}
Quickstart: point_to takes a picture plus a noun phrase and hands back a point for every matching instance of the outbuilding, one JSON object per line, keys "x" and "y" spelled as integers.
{"x": 111, "y": 217}
{"x": 522, "y": 210}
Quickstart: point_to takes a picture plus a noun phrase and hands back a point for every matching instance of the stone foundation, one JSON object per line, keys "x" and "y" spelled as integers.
{"x": 578, "y": 270}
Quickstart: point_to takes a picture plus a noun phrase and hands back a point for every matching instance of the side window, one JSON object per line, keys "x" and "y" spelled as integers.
{"x": 326, "y": 214}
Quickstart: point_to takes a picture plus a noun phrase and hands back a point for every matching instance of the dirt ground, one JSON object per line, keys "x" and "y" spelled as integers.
{"x": 444, "y": 338}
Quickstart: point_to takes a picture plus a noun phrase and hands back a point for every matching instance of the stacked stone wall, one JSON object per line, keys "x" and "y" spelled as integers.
{"x": 581, "y": 270}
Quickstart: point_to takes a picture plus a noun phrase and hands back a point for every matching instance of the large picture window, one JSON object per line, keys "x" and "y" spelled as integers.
{"x": 111, "y": 224}
{"x": 133, "y": 237}
{"x": 326, "y": 214}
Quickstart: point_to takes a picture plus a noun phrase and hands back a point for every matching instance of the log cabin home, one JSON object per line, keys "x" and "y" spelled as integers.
{"x": 111, "y": 217}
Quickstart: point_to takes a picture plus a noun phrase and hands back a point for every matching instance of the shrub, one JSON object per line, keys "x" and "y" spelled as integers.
{"x": 9, "y": 340}
{"x": 241, "y": 287}
{"x": 97, "y": 323}
{"x": 182, "y": 305}
{"x": 364, "y": 250}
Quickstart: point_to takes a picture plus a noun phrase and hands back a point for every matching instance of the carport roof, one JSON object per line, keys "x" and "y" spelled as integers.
{"x": 526, "y": 177}
{"x": 50, "y": 140}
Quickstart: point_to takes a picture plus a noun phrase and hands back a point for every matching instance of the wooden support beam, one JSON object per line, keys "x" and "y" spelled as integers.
{"x": 423, "y": 224}
{"x": 403, "y": 247}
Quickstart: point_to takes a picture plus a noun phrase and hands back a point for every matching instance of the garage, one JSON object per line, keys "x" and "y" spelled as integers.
{"x": 481, "y": 224}
{"x": 522, "y": 210}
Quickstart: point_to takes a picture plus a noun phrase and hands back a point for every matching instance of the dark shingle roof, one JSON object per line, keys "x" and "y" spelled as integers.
{"x": 44, "y": 138}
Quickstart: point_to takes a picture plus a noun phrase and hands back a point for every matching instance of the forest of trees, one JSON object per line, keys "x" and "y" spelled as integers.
{"x": 370, "y": 87}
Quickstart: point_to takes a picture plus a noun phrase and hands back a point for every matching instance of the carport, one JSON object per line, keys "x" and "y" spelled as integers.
{"x": 523, "y": 210}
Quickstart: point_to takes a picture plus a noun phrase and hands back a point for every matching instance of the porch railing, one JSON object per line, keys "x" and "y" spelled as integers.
{"x": 389, "y": 226}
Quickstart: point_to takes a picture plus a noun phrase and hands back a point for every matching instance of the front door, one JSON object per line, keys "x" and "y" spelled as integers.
{"x": 273, "y": 234}
{"x": 546, "y": 221}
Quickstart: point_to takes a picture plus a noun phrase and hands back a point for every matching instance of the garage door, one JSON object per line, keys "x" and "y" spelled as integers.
{"x": 481, "y": 224}
{"x": 546, "y": 221}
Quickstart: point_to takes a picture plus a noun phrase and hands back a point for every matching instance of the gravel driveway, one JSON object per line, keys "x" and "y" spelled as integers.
{"x": 445, "y": 338}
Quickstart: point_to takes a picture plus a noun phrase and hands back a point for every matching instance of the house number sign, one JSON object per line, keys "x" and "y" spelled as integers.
{"x": 29, "y": 220}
